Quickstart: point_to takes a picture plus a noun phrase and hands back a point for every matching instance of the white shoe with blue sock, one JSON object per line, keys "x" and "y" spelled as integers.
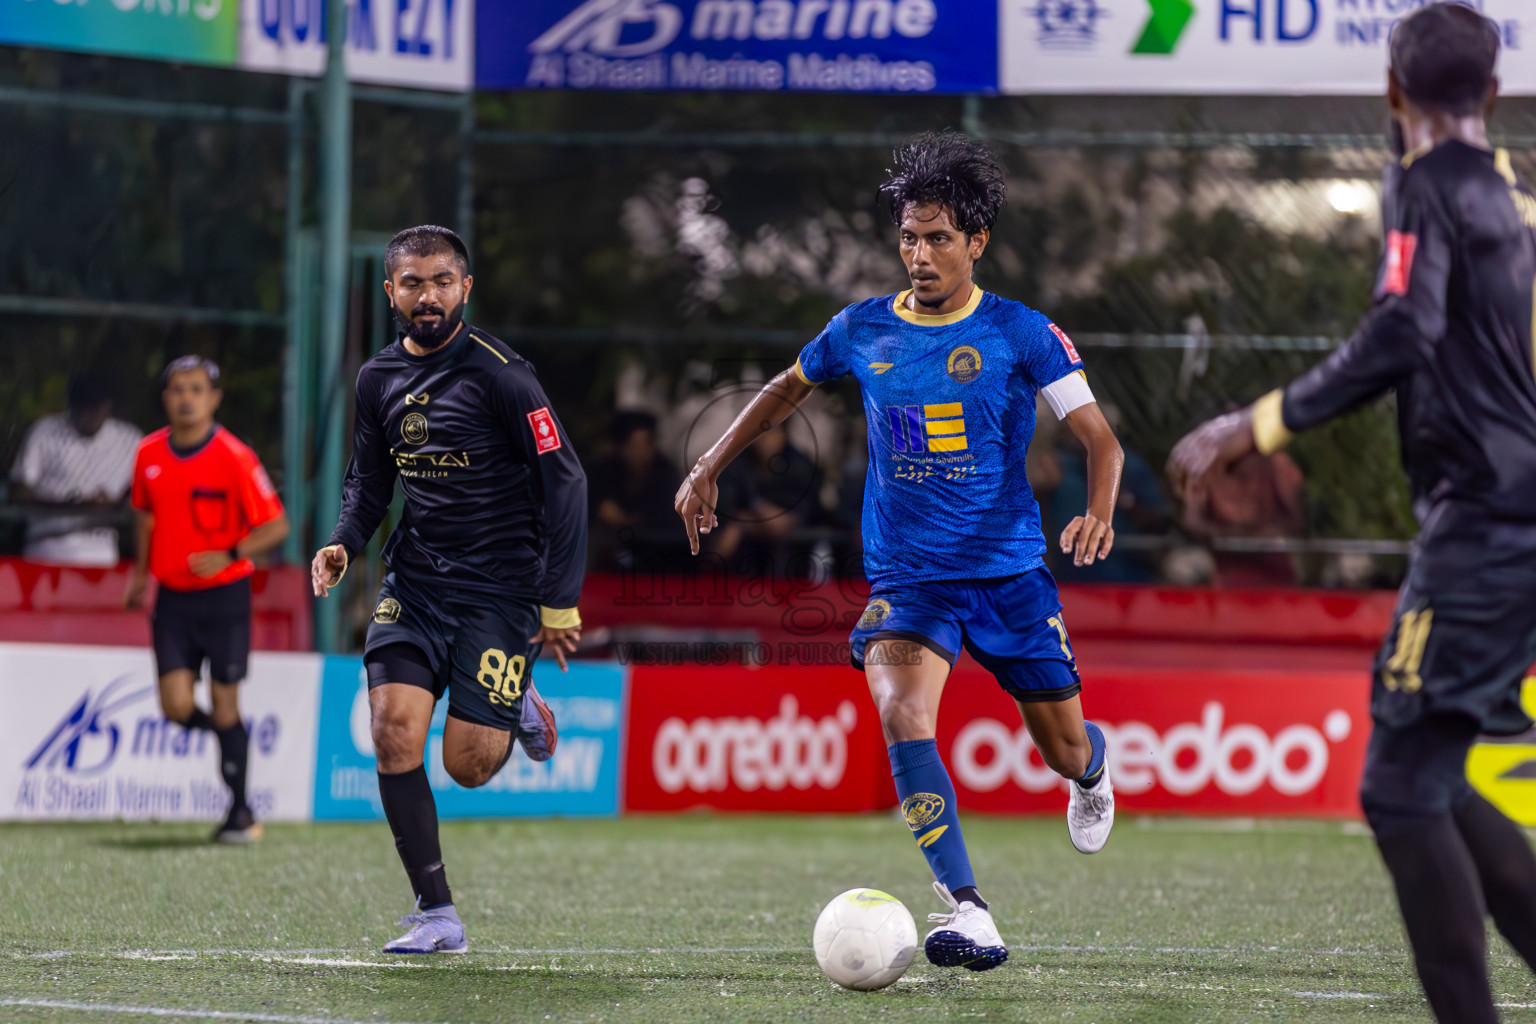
{"x": 965, "y": 937}
{"x": 437, "y": 930}
{"x": 1091, "y": 814}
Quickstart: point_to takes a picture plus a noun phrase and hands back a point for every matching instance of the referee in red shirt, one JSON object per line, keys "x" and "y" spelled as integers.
{"x": 205, "y": 509}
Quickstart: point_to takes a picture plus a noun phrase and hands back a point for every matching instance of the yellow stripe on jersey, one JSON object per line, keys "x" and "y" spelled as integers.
{"x": 947, "y": 444}
{"x": 946, "y": 427}
{"x": 944, "y": 411}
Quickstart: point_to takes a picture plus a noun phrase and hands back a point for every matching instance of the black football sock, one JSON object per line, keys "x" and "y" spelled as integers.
{"x": 234, "y": 747}
{"x": 412, "y": 814}
{"x": 968, "y": 892}
{"x": 1437, "y": 890}
{"x": 1507, "y": 869}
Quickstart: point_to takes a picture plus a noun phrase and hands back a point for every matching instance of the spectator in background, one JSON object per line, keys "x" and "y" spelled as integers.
{"x": 1259, "y": 496}
{"x": 632, "y": 495}
{"x": 1141, "y": 508}
{"x": 766, "y": 497}
{"x": 73, "y": 468}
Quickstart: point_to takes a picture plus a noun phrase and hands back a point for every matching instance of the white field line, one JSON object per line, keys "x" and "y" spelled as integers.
{"x": 193, "y": 954}
{"x": 166, "y": 1011}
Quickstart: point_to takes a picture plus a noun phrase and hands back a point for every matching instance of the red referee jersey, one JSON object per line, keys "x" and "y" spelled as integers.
{"x": 207, "y": 501}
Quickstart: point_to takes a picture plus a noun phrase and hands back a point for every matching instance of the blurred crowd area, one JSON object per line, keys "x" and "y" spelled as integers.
{"x": 658, "y": 257}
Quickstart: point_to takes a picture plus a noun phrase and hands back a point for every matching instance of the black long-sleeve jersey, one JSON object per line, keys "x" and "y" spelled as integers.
{"x": 1451, "y": 330}
{"x": 495, "y": 499}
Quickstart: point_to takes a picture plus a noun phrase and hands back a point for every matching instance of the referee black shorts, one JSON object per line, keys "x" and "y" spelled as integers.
{"x": 191, "y": 626}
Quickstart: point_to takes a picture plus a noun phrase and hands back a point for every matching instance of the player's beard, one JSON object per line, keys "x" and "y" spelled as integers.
{"x": 430, "y": 335}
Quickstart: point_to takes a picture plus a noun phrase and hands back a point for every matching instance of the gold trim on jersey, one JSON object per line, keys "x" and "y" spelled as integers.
{"x": 803, "y": 378}
{"x": 1414, "y": 153}
{"x": 1501, "y": 163}
{"x": 899, "y": 307}
{"x": 559, "y": 618}
{"x": 1269, "y": 430}
{"x": 487, "y": 347}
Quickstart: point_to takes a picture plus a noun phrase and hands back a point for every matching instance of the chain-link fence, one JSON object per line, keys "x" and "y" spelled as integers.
{"x": 647, "y": 251}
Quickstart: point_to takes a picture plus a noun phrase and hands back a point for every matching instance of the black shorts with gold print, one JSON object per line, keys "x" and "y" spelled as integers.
{"x": 471, "y": 645}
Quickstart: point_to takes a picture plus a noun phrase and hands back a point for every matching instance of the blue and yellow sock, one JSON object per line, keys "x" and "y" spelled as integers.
{"x": 1095, "y": 770}
{"x": 928, "y": 804}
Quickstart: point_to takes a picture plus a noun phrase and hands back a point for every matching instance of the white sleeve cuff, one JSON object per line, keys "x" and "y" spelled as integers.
{"x": 1069, "y": 393}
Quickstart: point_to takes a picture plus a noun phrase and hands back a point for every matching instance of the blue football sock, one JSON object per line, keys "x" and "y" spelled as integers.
{"x": 1095, "y": 770}
{"x": 928, "y": 804}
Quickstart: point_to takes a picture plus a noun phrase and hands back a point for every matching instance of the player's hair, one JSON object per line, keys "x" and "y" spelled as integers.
{"x": 950, "y": 170}
{"x": 181, "y": 364}
{"x": 87, "y": 390}
{"x": 425, "y": 240}
{"x": 1444, "y": 57}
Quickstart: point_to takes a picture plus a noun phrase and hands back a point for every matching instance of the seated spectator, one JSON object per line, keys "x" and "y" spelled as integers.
{"x": 766, "y": 497}
{"x": 1261, "y": 496}
{"x": 73, "y": 469}
{"x": 631, "y": 493}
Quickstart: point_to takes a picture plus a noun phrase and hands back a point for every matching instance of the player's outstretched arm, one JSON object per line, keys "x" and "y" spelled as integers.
{"x": 698, "y": 496}
{"x": 1091, "y": 536}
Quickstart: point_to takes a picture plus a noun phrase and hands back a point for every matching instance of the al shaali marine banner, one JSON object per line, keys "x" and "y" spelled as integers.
{"x": 1255, "y": 47}
{"x": 870, "y": 46}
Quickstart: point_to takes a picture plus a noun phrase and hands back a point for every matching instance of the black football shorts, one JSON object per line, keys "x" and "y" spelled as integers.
{"x": 190, "y": 626}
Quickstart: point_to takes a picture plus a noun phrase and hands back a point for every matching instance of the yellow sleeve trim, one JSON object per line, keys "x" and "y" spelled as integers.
{"x": 801, "y": 374}
{"x": 1269, "y": 430}
{"x": 559, "y": 618}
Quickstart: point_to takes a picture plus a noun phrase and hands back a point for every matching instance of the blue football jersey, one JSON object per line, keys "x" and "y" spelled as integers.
{"x": 950, "y": 403}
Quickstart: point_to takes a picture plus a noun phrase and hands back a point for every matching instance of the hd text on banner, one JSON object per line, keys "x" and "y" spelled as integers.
{"x": 1245, "y": 47}
{"x": 581, "y": 780}
{"x": 82, "y": 738}
{"x": 872, "y": 46}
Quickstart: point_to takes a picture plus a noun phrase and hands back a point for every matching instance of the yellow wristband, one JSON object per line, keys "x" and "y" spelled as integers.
{"x": 1269, "y": 430}
{"x": 559, "y": 618}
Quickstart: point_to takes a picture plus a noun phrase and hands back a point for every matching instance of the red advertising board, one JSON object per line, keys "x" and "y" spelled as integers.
{"x": 774, "y": 738}
{"x": 1250, "y": 742}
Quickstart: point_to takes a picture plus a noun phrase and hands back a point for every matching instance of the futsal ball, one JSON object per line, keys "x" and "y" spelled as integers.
{"x": 865, "y": 939}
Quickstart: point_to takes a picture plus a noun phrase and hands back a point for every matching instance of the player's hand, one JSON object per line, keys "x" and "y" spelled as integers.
{"x": 696, "y": 501}
{"x": 1087, "y": 538}
{"x": 133, "y": 595}
{"x": 209, "y": 563}
{"x": 561, "y": 641}
{"x": 326, "y": 570}
{"x": 1209, "y": 449}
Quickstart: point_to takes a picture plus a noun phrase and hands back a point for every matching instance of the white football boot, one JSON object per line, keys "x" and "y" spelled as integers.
{"x": 1091, "y": 814}
{"x": 965, "y": 937}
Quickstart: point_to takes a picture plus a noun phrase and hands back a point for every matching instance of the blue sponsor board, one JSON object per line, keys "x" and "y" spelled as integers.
{"x": 582, "y": 779}
{"x": 865, "y": 46}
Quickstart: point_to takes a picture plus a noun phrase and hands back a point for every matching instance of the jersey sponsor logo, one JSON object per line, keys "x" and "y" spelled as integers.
{"x": 413, "y": 429}
{"x": 964, "y": 364}
{"x": 387, "y": 612}
{"x": 875, "y": 614}
{"x": 1066, "y": 343}
{"x": 150, "y": 472}
{"x": 1399, "y": 266}
{"x": 922, "y": 809}
{"x": 545, "y": 437}
{"x": 411, "y": 399}
{"x": 880, "y": 368}
{"x": 928, "y": 428}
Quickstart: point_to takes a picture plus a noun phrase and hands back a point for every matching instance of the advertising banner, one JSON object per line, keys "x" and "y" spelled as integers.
{"x": 1250, "y": 743}
{"x": 83, "y": 738}
{"x": 1254, "y": 47}
{"x": 427, "y": 44}
{"x": 869, "y": 46}
{"x": 581, "y": 780}
{"x": 774, "y": 739}
{"x": 196, "y": 31}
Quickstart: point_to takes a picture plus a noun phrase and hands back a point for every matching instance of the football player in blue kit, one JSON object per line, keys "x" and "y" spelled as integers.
{"x": 953, "y": 546}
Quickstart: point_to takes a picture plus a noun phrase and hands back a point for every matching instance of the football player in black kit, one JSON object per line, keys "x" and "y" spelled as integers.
{"x": 1451, "y": 332}
{"x": 484, "y": 569}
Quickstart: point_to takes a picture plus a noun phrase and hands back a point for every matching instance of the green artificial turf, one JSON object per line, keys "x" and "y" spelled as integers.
{"x": 702, "y": 919}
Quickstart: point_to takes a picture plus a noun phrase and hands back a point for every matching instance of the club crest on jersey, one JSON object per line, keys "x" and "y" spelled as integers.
{"x": 875, "y": 614}
{"x": 413, "y": 429}
{"x": 1066, "y": 343}
{"x": 922, "y": 809}
{"x": 964, "y": 364}
{"x": 545, "y": 437}
{"x": 387, "y": 612}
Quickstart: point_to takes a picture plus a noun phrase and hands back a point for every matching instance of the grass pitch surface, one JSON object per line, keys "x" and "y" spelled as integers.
{"x": 701, "y": 919}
